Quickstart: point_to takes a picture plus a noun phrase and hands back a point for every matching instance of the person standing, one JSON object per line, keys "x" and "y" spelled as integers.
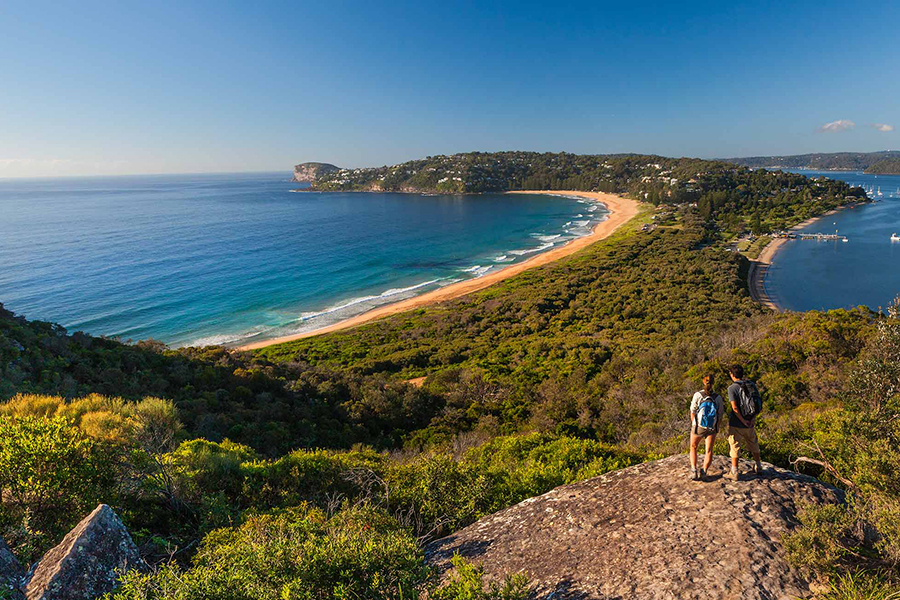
{"x": 746, "y": 404}
{"x": 707, "y": 408}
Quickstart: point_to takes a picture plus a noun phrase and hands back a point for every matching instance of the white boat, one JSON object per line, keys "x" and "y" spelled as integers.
{"x": 879, "y": 192}
{"x": 895, "y": 237}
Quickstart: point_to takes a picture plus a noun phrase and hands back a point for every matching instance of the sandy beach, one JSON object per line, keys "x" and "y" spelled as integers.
{"x": 620, "y": 209}
{"x": 758, "y": 268}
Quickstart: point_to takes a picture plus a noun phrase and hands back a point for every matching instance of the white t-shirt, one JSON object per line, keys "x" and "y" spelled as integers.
{"x": 720, "y": 406}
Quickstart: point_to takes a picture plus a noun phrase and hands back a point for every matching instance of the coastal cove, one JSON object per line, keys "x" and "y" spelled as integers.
{"x": 820, "y": 275}
{"x": 621, "y": 210}
{"x": 253, "y": 261}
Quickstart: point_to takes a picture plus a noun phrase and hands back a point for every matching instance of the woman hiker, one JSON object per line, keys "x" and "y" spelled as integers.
{"x": 706, "y": 413}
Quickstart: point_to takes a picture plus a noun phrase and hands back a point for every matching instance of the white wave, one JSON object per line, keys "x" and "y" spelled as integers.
{"x": 580, "y": 223}
{"x": 540, "y": 248}
{"x": 361, "y": 299}
{"x": 592, "y": 208}
{"x": 478, "y": 270}
{"x": 218, "y": 340}
{"x": 579, "y": 215}
{"x": 549, "y": 238}
{"x": 501, "y": 258}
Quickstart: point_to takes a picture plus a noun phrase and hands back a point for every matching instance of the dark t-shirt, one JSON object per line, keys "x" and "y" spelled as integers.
{"x": 734, "y": 396}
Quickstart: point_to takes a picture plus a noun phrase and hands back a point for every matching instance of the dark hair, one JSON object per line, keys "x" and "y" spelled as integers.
{"x": 737, "y": 371}
{"x": 709, "y": 381}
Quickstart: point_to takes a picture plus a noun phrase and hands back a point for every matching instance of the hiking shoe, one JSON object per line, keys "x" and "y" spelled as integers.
{"x": 758, "y": 468}
{"x": 694, "y": 475}
{"x": 701, "y": 474}
{"x": 732, "y": 475}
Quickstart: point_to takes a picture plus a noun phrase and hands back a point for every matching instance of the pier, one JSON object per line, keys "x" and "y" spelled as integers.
{"x": 813, "y": 236}
{"x": 822, "y": 236}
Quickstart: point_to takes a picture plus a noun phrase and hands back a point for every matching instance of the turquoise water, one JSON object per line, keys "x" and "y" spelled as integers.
{"x": 202, "y": 259}
{"x": 810, "y": 275}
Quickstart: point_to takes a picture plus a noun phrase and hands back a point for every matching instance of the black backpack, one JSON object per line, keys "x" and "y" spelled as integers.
{"x": 750, "y": 401}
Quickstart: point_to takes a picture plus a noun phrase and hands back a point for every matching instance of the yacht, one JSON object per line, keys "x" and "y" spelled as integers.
{"x": 895, "y": 237}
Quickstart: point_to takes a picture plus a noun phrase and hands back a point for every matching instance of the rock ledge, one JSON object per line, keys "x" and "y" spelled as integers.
{"x": 648, "y": 532}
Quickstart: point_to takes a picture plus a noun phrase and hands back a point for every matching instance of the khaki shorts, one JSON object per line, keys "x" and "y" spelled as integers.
{"x": 741, "y": 438}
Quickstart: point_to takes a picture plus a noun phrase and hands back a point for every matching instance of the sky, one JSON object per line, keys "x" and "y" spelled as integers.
{"x": 97, "y": 88}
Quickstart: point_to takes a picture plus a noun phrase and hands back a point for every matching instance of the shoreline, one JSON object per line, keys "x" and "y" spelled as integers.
{"x": 756, "y": 278}
{"x": 621, "y": 210}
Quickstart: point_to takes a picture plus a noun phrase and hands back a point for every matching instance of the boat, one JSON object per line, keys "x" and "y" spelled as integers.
{"x": 895, "y": 237}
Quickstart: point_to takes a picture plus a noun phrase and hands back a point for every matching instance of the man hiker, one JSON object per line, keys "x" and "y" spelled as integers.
{"x": 746, "y": 404}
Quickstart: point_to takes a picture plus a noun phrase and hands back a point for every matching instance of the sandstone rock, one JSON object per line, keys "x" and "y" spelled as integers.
{"x": 310, "y": 171}
{"x": 648, "y": 532}
{"x": 11, "y": 572}
{"x": 87, "y": 563}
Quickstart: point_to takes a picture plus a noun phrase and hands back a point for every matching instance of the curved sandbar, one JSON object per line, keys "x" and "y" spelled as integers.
{"x": 620, "y": 209}
{"x": 756, "y": 278}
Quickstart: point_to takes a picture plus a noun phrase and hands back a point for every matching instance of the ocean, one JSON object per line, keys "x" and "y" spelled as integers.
{"x": 808, "y": 275}
{"x": 235, "y": 258}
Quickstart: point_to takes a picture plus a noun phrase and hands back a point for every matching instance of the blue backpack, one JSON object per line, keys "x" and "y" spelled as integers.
{"x": 707, "y": 416}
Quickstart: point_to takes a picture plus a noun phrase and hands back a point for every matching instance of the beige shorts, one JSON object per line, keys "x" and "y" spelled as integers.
{"x": 742, "y": 438}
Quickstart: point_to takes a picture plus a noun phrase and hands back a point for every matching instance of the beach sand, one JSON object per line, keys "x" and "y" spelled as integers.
{"x": 758, "y": 268}
{"x": 620, "y": 209}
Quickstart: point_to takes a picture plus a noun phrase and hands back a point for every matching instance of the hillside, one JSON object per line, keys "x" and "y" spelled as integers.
{"x": 320, "y": 448}
{"x": 888, "y": 166}
{"x": 835, "y": 161}
{"x": 647, "y": 532}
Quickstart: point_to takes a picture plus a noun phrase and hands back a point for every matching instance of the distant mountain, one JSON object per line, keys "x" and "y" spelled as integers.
{"x": 835, "y": 161}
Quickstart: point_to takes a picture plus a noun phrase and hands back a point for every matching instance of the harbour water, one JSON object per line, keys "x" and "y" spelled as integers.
{"x": 865, "y": 270}
{"x": 203, "y": 259}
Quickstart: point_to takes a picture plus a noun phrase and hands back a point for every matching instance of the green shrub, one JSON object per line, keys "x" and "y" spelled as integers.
{"x": 359, "y": 553}
{"x": 467, "y": 583}
{"x": 51, "y": 474}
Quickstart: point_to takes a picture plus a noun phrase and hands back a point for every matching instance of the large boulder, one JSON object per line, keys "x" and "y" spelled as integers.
{"x": 648, "y": 532}
{"x": 11, "y": 573}
{"x": 88, "y": 562}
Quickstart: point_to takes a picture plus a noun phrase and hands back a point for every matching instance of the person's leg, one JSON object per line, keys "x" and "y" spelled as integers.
{"x": 753, "y": 446}
{"x": 707, "y": 460}
{"x": 734, "y": 442}
{"x": 695, "y": 440}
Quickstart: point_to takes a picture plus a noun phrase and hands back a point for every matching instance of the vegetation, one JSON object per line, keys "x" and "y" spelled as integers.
{"x": 321, "y": 449}
{"x": 838, "y": 161}
{"x": 888, "y": 166}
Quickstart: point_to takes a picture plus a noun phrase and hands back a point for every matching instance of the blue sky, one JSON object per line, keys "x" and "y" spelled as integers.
{"x": 153, "y": 87}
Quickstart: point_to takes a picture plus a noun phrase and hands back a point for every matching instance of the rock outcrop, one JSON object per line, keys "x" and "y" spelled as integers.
{"x": 11, "y": 573}
{"x": 310, "y": 171}
{"x": 88, "y": 562}
{"x": 648, "y": 532}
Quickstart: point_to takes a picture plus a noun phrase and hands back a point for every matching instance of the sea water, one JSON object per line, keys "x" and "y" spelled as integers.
{"x": 227, "y": 259}
{"x": 807, "y": 274}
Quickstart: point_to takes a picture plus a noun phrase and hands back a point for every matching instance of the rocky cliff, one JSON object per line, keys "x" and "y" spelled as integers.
{"x": 648, "y": 532}
{"x": 309, "y": 172}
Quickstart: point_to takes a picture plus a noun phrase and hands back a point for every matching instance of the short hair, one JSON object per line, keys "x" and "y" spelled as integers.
{"x": 737, "y": 371}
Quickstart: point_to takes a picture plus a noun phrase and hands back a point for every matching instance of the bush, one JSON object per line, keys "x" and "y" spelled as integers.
{"x": 467, "y": 583}
{"x": 51, "y": 474}
{"x": 359, "y": 553}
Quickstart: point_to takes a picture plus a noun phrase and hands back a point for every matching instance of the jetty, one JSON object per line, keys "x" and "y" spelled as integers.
{"x": 812, "y": 236}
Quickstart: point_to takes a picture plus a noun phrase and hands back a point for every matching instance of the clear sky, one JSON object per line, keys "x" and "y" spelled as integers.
{"x": 100, "y": 87}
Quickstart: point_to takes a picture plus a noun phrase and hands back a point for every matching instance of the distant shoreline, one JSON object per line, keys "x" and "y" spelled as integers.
{"x": 621, "y": 210}
{"x": 756, "y": 278}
